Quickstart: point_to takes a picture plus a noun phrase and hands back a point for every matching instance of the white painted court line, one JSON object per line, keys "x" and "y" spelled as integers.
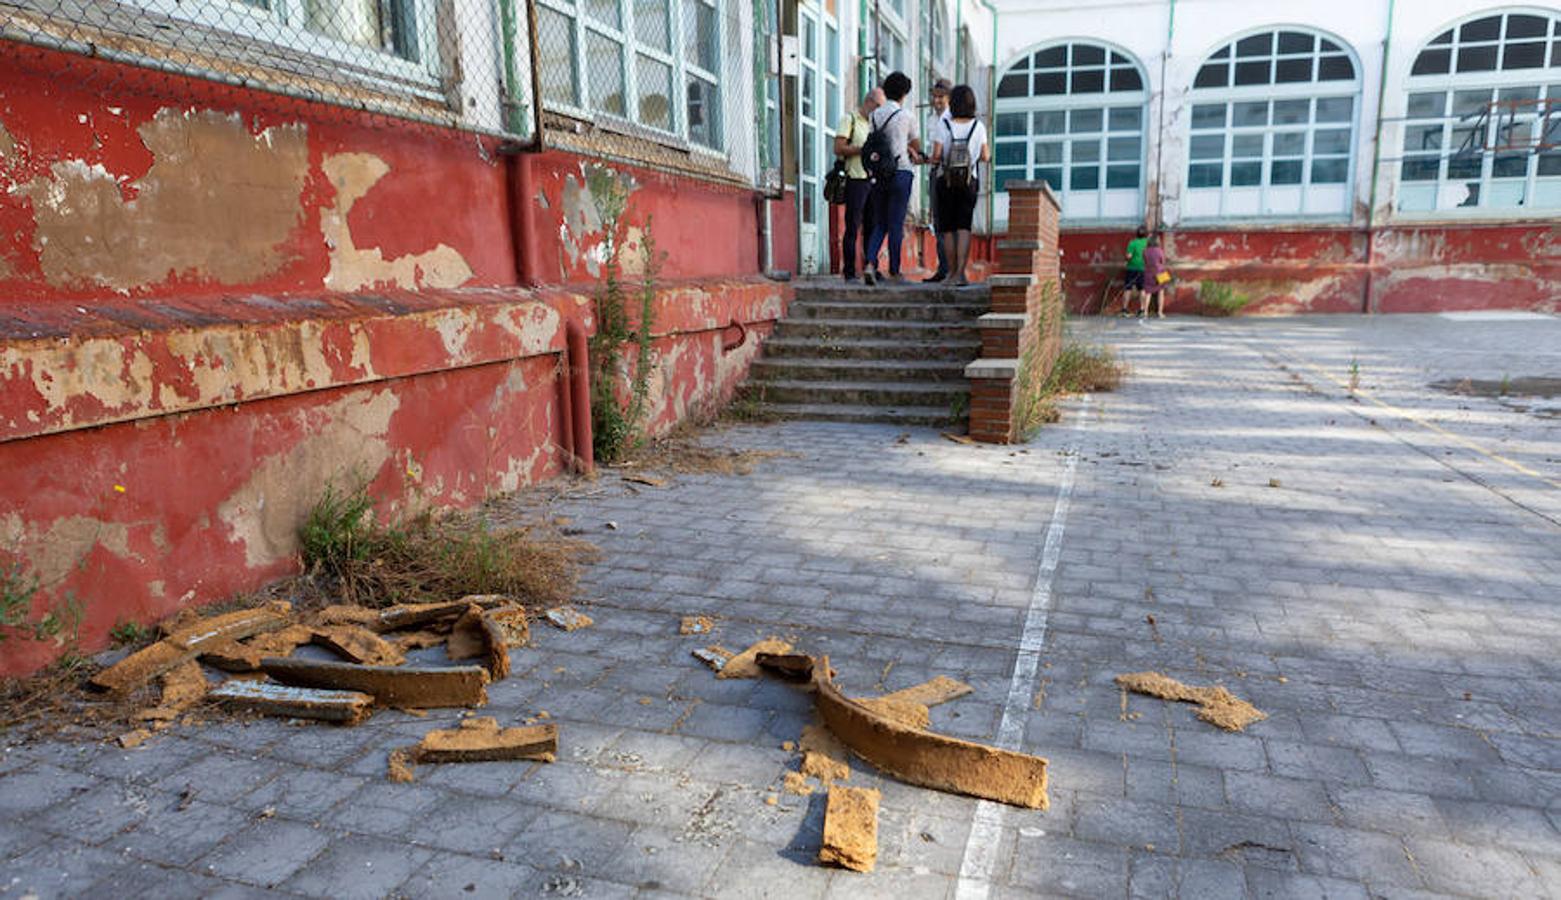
{"x": 975, "y": 869}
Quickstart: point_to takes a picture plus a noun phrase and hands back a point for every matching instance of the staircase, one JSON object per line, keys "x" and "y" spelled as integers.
{"x": 851, "y": 353}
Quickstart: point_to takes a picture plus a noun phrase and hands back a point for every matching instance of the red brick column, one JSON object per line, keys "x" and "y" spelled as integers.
{"x": 1022, "y": 334}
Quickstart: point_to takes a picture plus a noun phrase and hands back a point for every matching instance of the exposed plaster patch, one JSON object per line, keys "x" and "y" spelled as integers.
{"x": 454, "y": 327}
{"x": 353, "y": 175}
{"x": 218, "y": 203}
{"x": 343, "y": 439}
{"x": 7, "y": 144}
{"x": 51, "y": 553}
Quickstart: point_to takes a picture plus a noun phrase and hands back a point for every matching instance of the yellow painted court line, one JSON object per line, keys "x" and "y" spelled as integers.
{"x": 1430, "y": 426}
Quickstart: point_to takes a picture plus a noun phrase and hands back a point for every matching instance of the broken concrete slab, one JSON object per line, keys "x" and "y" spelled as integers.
{"x": 415, "y": 688}
{"x": 357, "y": 644}
{"x": 568, "y": 618}
{"x": 1216, "y": 705}
{"x": 746, "y": 663}
{"x": 850, "y": 829}
{"x": 271, "y": 699}
{"x": 515, "y": 623}
{"x": 476, "y": 635}
{"x": 186, "y": 643}
{"x": 481, "y": 739}
{"x": 925, "y": 758}
{"x": 399, "y": 766}
{"x": 413, "y": 615}
{"x": 790, "y": 666}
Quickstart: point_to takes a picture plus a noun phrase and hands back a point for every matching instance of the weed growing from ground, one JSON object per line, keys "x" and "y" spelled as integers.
{"x": 1219, "y": 299}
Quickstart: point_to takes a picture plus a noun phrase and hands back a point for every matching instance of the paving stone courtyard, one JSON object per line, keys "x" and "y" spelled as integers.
{"x": 1378, "y": 569}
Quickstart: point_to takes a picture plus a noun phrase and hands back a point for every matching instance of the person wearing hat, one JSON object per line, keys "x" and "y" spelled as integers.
{"x": 935, "y": 125}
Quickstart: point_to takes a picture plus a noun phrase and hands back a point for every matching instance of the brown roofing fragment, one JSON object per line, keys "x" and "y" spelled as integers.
{"x": 482, "y": 740}
{"x": 746, "y": 663}
{"x": 183, "y": 686}
{"x": 695, "y": 625}
{"x": 925, "y": 758}
{"x": 790, "y": 666}
{"x": 355, "y": 643}
{"x": 515, "y": 623}
{"x": 390, "y": 686}
{"x": 187, "y": 642}
{"x": 477, "y": 635}
{"x": 412, "y": 615}
{"x": 715, "y": 656}
{"x": 850, "y": 829}
{"x": 399, "y": 765}
{"x": 1216, "y": 705}
{"x": 245, "y": 656}
{"x": 272, "y": 699}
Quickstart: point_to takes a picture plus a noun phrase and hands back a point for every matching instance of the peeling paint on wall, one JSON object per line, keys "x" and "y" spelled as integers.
{"x": 218, "y": 203}
{"x": 7, "y": 144}
{"x": 53, "y": 552}
{"x": 345, "y": 439}
{"x": 353, "y": 175}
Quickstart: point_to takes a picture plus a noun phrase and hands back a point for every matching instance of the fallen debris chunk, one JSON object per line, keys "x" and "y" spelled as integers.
{"x": 398, "y": 766}
{"x": 823, "y": 757}
{"x": 515, "y": 624}
{"x": 957, "y": 438}
{"x": 412, "y": 615}
{"x": 925, "y": 758}
{"x": 746, "y": 663}
{"x": 850, "y": 829}
{"x": 790, "y": 666}
{"x": 909, "y": 706}
{"x": 696, "y": 625}
{"x": 186, "y": 643}
{"x": 646, "y": 479}
{"x": 797, "y": 783}
{"x": 355, "y": 643}
{"x": 417, "y": 640}
{"x": 348, "y": 614}
{"x": 133, "y": 739}
{"x": 271, "y": 699}
{"x": 245, "y": 656}
{"x": 568, "y": 618}
{"x": 1216, "y": 705}
{"x": 183, "y": 686}
{"x": 390, "y": 686}
{"x": 715, "y": 656}
{"x": 482, "y": 740}
{"x": 477, "y": 635}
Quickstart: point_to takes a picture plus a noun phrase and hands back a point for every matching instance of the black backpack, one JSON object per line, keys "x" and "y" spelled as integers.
{"x": 878, "y": 154}
{"x": 958, "y": 168}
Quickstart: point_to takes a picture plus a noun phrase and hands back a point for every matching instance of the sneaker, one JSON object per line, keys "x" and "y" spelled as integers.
{"x": 848, "y": 276}
{"x": 935, "y": 278}
{"x": 870, "y": 278}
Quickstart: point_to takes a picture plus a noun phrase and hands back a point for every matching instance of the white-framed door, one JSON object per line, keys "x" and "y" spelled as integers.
{"x": 818, "y": 111}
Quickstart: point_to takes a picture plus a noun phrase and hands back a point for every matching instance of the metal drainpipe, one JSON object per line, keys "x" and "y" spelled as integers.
{"x": 1159, "y": 150}
{"x": 1376, "y": 165}
{"x": 991, "y": 111}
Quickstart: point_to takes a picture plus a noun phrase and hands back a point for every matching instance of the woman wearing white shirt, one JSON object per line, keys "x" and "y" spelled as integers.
{"x": 959, "y": 148}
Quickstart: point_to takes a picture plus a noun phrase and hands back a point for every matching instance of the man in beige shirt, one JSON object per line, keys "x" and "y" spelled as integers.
{"x": 850, "y": 135}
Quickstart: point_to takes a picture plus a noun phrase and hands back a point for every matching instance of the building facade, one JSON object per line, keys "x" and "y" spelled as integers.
{"x": 1323, "y": 156}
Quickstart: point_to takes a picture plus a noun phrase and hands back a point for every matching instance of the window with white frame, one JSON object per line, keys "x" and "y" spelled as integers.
{"x": 1273, "y": 128}
{"x": 1072, "y": 115}
{"x": 394, "y": 38}
{"x": 1482, "y": 127}
{"x": 889, "y": 38}
{"x": 655, "y": 63}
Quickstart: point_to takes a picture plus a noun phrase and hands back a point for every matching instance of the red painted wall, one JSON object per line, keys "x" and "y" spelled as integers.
{"x": 1325, "y": 270}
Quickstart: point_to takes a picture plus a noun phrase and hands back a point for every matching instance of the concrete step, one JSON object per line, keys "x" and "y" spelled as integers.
{"x": 907, "y": 416}
{"x": 804, "y": 368}
{"x": 834, "y": 331}
{"x": 835, "y": 291}
{"x": 781, "y": 347}
{"x": 859, "y": 393}
{"x": 862, "y": 309}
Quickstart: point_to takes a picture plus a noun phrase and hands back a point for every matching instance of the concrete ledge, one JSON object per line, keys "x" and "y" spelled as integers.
{"x": 1003, "y": 321}
{"x": 1043, "y": 187}
{"x": 1003, "y": 281}
{"x": 992, "y": 368}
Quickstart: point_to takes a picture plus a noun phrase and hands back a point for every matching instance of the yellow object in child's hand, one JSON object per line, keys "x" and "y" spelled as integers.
{"x": 1162, "y": 278}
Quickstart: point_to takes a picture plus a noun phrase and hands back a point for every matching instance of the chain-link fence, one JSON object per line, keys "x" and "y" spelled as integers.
{"x": 678, "y": 85}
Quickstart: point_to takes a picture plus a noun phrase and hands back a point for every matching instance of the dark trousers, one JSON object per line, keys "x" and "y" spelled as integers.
{"x": 859, "y": 222}
{"x": 937, "y": 229}
{"x": 889, "y": 201}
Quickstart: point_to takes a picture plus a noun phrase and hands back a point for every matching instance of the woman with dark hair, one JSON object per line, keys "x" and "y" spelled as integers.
{"x": 957, "y": 153}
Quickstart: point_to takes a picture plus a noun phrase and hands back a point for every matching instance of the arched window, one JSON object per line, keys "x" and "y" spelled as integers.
{"x": 1483, "y": 124}
{"x": 1273, "y": 128}
{"x": 1072, "y": 114}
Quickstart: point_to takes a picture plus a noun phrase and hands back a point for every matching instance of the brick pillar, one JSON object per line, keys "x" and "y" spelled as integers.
{"x": 1022, "y": 334}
